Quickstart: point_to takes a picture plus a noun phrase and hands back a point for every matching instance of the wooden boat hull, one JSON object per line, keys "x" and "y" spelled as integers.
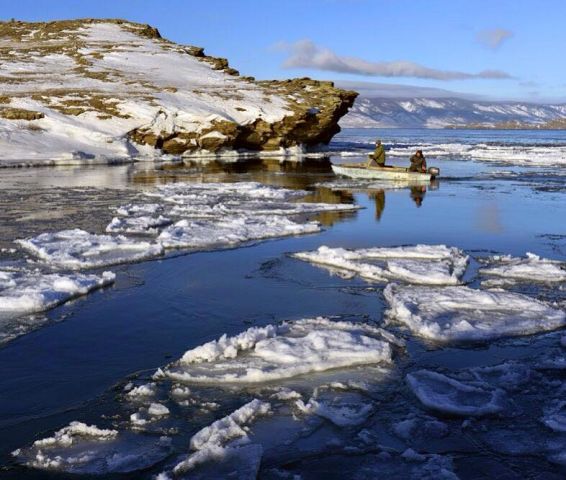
{"x": 381, "y": 173}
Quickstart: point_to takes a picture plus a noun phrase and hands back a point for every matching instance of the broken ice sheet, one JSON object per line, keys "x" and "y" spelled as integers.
{"x": 143, "y": 224}
{"x": 448, "y": 395}
{"x": 86, "y": 449}
{"x": 231, "y": 231}
{"x": 421, "y": 264}
{"x": 464, "y": 314}
{"x": 221, "y": 444}
{"x": 76, "y": 249}
{"x": 509, "y": 270}
{"x": 263, "y": 354}
{"x": 28, "y": 291}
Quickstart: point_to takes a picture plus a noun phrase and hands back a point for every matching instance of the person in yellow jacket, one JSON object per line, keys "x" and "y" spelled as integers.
{"x": 377, "y": 158}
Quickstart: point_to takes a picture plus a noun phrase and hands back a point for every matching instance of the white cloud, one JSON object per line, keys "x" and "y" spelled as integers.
{"x": 493, "y": 38}
{"x": 306, "y": 54}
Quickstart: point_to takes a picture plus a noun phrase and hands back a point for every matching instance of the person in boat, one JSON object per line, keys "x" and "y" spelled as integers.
{"x": 418, "y": 162}
{"x": 377, "y": 158}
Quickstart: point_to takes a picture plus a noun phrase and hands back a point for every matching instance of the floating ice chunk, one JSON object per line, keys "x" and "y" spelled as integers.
{"x": 465, "y": 314}
{"x": 445, "y": 394}
{"x": 509, "y": 375}
{"x": 77, "y": 249}
{"x": 213, "y": 441}
{"x": 142, "y": 224}
{"x": 342, "y": 410}
{"x": 33, "y": 291}
{"x": 232, "y": 231}
{"x": 532, "y": 268}
{"x": 286, "y": 394}
{"x": 240, "y": 462}
{"x": 424, "y": 264}
{"x": 246, "y": 190}
{"x": 75, "y": 431}
{"x": 135, "y": 210}
{"x": 142, "y": 391}
{"x": 272, "y": 353}
{"x": 555, "y": 416}
{"x": 83, "y": 449}
{"x": 228, "y": 347}
{"x": 158, "y": 410}
{"x": 420, "y": 428}
{"x": 230, "y": 427}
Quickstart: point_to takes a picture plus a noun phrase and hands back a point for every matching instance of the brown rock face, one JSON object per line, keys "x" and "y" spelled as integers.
{"x": 20, "y": 114}
{"x": 316, "y": 108}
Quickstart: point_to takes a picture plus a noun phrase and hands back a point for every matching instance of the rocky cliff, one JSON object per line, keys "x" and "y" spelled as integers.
{"x": 112, "y": 89}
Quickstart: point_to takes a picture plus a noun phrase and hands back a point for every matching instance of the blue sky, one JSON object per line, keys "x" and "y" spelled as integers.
{"x": 418, "y": 42}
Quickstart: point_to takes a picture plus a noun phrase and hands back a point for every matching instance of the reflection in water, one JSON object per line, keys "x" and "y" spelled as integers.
{"x": 417, "y": 194}
{"x": 379, "y": 199}
{"x": 488, "y": 218}
{"x": 271, "y": 171}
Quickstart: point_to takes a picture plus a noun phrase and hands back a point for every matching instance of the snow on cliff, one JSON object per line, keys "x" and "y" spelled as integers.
{"x": 109, "y": 90}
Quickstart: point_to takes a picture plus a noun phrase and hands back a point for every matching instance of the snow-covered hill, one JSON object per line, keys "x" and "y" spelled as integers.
{"x": 110, "y": 89}
{"x": 443, "y": 112}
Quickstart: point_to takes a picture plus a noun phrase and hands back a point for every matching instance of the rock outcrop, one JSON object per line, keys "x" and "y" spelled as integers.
{"x": 115, "y": 89}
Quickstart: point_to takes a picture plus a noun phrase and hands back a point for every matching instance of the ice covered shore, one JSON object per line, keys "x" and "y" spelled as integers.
{"x": 112, "y": 90}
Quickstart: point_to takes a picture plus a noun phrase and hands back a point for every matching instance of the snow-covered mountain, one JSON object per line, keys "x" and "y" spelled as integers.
{"x": 111, "y": 89}
{"x": 443, "y": 112}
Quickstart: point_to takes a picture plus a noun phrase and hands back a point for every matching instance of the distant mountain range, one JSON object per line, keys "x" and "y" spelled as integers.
{"x": 425, "y": 112}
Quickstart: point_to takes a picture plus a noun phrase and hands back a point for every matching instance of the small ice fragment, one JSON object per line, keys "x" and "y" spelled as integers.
{"x": 215, "y": 441}
{"x": 555, "y": 416}
{"x": 143, "y": 224}
{"x": 146, "y": 390}
{"x": 445, "y": 394}
{"x": 158, "y": 410}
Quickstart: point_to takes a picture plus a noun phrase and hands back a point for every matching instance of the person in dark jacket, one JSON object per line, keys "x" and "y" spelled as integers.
{"x": 377, "y": 158}
{"x": 418, "y": 162}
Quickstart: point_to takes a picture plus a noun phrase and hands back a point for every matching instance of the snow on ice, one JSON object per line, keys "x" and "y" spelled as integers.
{"x": 263, "y": 354}
{"x": 232, "y": 231}
{"x": 143, "y": 224}
{"x": 223, "y": 439}
{"x": 423, "y": 264}
{"x": 444, "y": 394}
{"x": 531, "y": 268}
{"x": 33, "y": 291}
{"x": 86, "y": 449}
{"x": 76, "y": 249}
{"x": 465, "y": 314}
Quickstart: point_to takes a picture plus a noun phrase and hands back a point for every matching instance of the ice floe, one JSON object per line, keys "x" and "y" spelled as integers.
{"x": 231, "y": 231}
{"x": 555, "y": 416}
{"x": 86, "y": 449}
{"x": 444, "y": 394}
{"x": 346, "y": 409}
{"x": 422, "y": 264}
{"x": 76, "y": 249}
{"x": 458, "y": 313}
{"x": 222, "y": 439}
{"x": 33, "y": 291}
{"x": 531, "y": 268}
{"x": 290, "y": 349}
{"x": 143, "y": 224}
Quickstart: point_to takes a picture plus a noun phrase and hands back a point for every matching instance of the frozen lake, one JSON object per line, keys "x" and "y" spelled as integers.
{"x": 417, "y": 362}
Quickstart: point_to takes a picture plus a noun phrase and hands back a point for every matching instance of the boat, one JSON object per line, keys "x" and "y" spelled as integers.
{"x": 361, "y": 170}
